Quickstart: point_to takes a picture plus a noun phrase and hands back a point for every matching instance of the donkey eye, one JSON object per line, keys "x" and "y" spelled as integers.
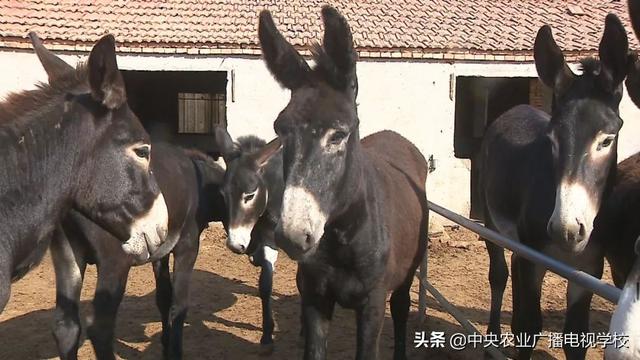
{"x": 606, "y": 143}
{"x": 248, "y": 197}
{"x": 143, "y": 152}
{"x": 337, "y": 137}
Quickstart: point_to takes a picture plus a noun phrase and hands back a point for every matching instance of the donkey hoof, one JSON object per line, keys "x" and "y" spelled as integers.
{"x": 266, "y": 349}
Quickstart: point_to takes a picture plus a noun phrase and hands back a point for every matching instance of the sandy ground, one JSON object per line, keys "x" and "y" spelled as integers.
{"x": 225, "y": 318}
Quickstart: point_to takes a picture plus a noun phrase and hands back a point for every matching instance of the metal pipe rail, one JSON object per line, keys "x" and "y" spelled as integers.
{"x": 581, "y": 278}
{"x": 464, "y": 322}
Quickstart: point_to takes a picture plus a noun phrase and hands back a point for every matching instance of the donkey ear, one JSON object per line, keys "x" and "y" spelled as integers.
{"x": 613, "y": 51}
{"x": 225, "y": 144}
{"x": 338, "y": 44}
{"x": 633, "y": 76}
{"x": 633, "y": 79}
{"x": 550, "y": 64}
{"x": 282, "y": 59}
{"x": 107, "y": 85}
{"x": 55, "y": 67}
{"x": 262, "y": 157}
{"x": 634, "y": 14}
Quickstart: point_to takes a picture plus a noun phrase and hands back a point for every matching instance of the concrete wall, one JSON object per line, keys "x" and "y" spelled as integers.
{"x": 413, "y": 98}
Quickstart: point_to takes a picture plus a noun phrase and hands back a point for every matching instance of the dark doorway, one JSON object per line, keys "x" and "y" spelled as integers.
{"x": 479, "y": 101}
{"x": 181, "y": 107}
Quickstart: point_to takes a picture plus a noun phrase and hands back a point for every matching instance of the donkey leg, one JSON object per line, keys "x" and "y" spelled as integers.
{"x": 265, "y": 285}
{"x": 577, "y": 316}
{"x": 526, "y": 323}
{"x": 5, "y": 287}
{"x": 184, "y": 258}
{"x": 69, "y": 265}
{"x": 400, "y": 304}
{"x": 498, "y": 275}
{"x": 369, "y": 318}
{"x": 317, "y": 312}
{"x": 112, "y": 281}
{"x": 164, "y": 295}
{"x": 299, "y": 286}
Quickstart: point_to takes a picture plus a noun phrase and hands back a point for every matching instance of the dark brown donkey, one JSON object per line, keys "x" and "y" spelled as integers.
{"x": 544, "y": 178}
{"x": 617, "y": 228}
{"x": 191, "y": 184}
{"x": 354, "y": 214}
{"x": 75, "y": 144}
{"x": 252, "y": 191}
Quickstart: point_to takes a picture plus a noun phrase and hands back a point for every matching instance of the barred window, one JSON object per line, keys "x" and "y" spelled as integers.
{"x": 199, "y": 113}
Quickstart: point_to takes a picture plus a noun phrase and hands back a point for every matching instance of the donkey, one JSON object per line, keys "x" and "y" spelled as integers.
{"x": 75, "y": 144}
{"x": 193, "y": 199}
{"x": 252, "y": 189}
{"x": 616, "y": 228}
{"x": 544, "y": 177}
{"x": 354, "y": 213}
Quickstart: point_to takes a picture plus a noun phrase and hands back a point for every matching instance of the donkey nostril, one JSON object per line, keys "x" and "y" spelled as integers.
{"x": 308, "y": 240}
{"x": 582, "y": 230}
{"x": 242, "y": 247}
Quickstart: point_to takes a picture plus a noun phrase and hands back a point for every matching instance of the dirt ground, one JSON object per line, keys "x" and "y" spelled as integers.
{"x": 224, "y": 318}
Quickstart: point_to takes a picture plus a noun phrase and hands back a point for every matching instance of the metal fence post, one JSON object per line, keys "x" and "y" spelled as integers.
{"x": 422, "y": 295}
{"x": 422, "y": 276}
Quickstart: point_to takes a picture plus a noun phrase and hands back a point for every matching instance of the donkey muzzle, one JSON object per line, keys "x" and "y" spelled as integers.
{"x": 148, "y": 232}
{"x": 571, "y": 222}
{"x": 239, "y": 238}
{"x": 301, "y": 224}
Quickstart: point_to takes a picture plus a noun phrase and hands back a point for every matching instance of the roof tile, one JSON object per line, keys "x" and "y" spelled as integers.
{"x": 379, "y": 25}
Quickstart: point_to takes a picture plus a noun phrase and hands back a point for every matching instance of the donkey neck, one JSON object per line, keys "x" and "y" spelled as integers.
{"x": 355, "y": 190}
{"x": 273, "y": 179}
{"x": 352, "y": 246}
{"x": 41, "y": 152}
{"x": 209, "y": 176}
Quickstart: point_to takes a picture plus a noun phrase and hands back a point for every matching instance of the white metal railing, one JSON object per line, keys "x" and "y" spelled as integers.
{"x": 597, "y": 286}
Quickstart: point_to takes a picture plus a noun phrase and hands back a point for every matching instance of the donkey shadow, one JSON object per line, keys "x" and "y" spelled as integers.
{"x": 29, "y": 336}
{"x": 552, "y": 322}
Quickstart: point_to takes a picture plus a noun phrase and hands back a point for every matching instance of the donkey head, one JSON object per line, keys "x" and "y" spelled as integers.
{"x": 318, "y": 128}
{"x": 245, "y": 190}
{"x": 583, "y": 129}
{"x": 114, "y": 184}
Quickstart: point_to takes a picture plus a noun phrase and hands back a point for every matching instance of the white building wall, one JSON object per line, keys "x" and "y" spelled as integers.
{"x": 410, "y": 97}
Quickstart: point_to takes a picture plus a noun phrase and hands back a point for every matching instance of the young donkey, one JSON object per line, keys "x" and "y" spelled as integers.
{"x": 354, "y": 214}
{"x": 252, "y": 190}
{"x": 192, "y": 199}
{"x": 544, "y": 179}
{"x": 66, "y": 145}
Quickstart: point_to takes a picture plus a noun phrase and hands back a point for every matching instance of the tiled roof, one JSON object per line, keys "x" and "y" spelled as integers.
{"x": 392, "y": 28}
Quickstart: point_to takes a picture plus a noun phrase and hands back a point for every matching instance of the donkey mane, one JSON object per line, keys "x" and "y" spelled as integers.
{"x": 250, "y": 143}
{"x": 589, "y": 66}
{"x": 18, "y": 104}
